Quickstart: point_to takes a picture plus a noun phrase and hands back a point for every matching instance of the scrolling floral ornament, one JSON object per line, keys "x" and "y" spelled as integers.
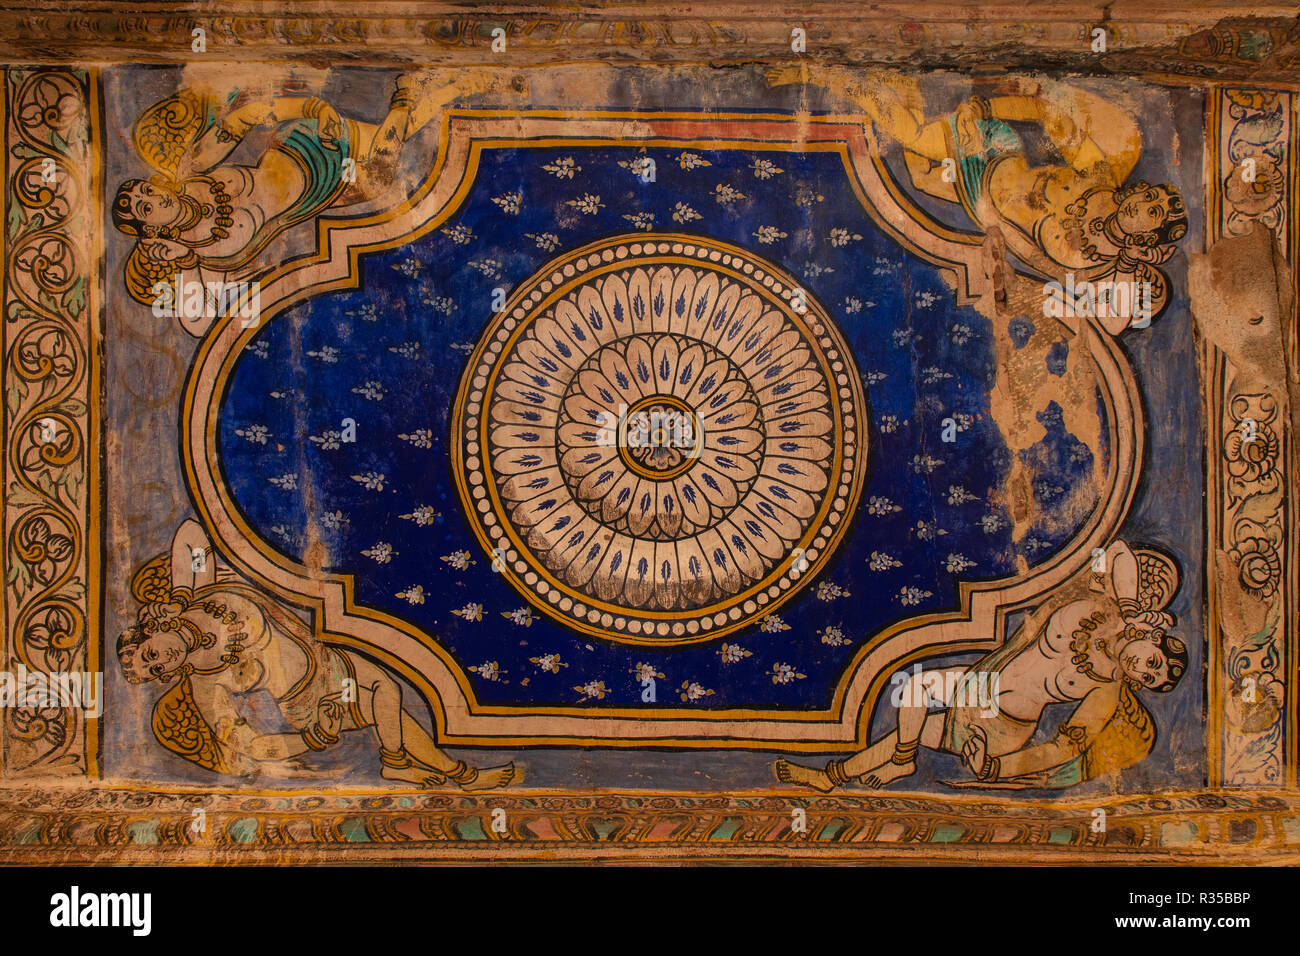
{"x": 659, "y": 440}
{"x": 48, "y": 383}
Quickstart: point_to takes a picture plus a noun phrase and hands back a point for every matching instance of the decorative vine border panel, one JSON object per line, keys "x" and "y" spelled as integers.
{"x": 699, "y": 439}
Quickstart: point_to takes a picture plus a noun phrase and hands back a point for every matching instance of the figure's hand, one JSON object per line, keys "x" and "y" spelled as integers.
{"x": 329, "y": 716}
{"x": 968, "y": 132}
{"x": 976, "y": 751}
{"x": 237, "y": 125}
{"x": 329, "y": 125}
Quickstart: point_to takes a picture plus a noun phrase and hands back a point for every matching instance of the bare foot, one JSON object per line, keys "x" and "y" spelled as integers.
{"x": 489, "y": 778}
{"x": 416, "y": 774}
{"x": 888, "y": 772}
{"x": 801, "y": 776}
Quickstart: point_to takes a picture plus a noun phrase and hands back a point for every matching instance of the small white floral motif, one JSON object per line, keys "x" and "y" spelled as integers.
{"x": 522, "y": 616}
{"x": 369, "y": 312}
{"x": 828, "y": 591}
{"x": 488, "y": 670}
{"x": 644, "y": 221}
{"x": 725, "y": 194}
{"x": 833, "y": 636}
{"x": 490, "y": 268}
{"x": 691, "y": 691}
{"x": 852, "y": 306}
{"x": 588, "y": 204}
{"x": 734, "y": 653}
{"x": 334, "y": 520}
{"x": 768, "y": 234}
{"x": 875, "y": 378}
{"x": 460, "y": 560}
{"x": 765, "y": 169}
{"x": 957, "y": 495}
{"x": 842, "y": 237}
{"x": 423, "y": 515}
{"x": 407, "y": 350}
{"x": 470, "y": 612}
{"x": 958, "y": 563}
{"x": 281, "y": 531}
{"x": 410, "y": 267}
{"x": 926, "y": 299}
{"x": 932, "y": 374}
{"x": 550, "y": 663}
{"x": 413, "y": 595}
{"x": 925, "y": 464}
{"x": 254, "y": 434}
{"x": 910, "y": 597}
{"x": 642, "y": 673}
{"x": 960, "y": 334}
{"x": 690, "y": 161}
{"x": 642, "y": 167}
{"x": 992, "y": 522}
{"x": 381, "y": 552}
{"x": 785, "y": 674}
{"x": 509, "y": 202}
{"x": 420, "y": 438}
{"x": 883, "y": 266}
{"x": 443, "y": 305}
{"x": 592, "y": 690}
{"x": 814, "y": 270}
{"x": 806, "y": 196}
{"x": 371, "y": 480}
{"x": 684, "y": 213}
{"x": 260, "y": 348}
{"x": 881, "y": 561}
{"x": 371, "y": 391}
{"x": 546, "y": 241}
{"x": 928, "y": 530}
{"x": 328, "y": 441}
{"x": 904, "y": 337}
{"x": 459, "y": 234}
{"x": 878, "y": 505}
{"x": 326, "y": 353}
{"x": 562, "y": 168}
{"x": 286, "y": 482}
{"x": 889, "y": 424}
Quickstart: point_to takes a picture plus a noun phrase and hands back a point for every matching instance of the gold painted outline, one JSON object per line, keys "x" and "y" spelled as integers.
{"x": 1102, "y": 524}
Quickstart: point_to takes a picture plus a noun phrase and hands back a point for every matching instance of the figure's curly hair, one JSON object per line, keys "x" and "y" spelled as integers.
{"x": 124, "y": 218}
{"x": 1173, "y": 649}
{"x": 1175, "y": 225}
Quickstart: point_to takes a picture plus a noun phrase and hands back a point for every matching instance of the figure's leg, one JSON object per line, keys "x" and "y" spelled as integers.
{"x": 890, "y": 757}
{"x": 422, "y": 749}
{"x": 893, "y": 102}
{"x": 1086, "y": 128}
{"x": 407, "y": 752}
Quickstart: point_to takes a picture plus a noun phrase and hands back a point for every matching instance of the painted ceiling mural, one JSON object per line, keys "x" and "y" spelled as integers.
{"x": 791, "y": 430}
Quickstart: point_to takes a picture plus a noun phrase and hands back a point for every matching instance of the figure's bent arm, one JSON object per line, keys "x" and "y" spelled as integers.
{"x": 234, "y": 731}
{"x": 1092, "y": 714}
{"x": 1091, "y": 133}
{"x": 194, "y": 563}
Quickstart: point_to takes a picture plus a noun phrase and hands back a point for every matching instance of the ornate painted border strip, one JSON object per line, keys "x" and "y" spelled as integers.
{"x": 1209, "y": 38}
{"x": 1251, "y": 534}
{"x": 124, "y": 825}
{"x": 52, "y": 531}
